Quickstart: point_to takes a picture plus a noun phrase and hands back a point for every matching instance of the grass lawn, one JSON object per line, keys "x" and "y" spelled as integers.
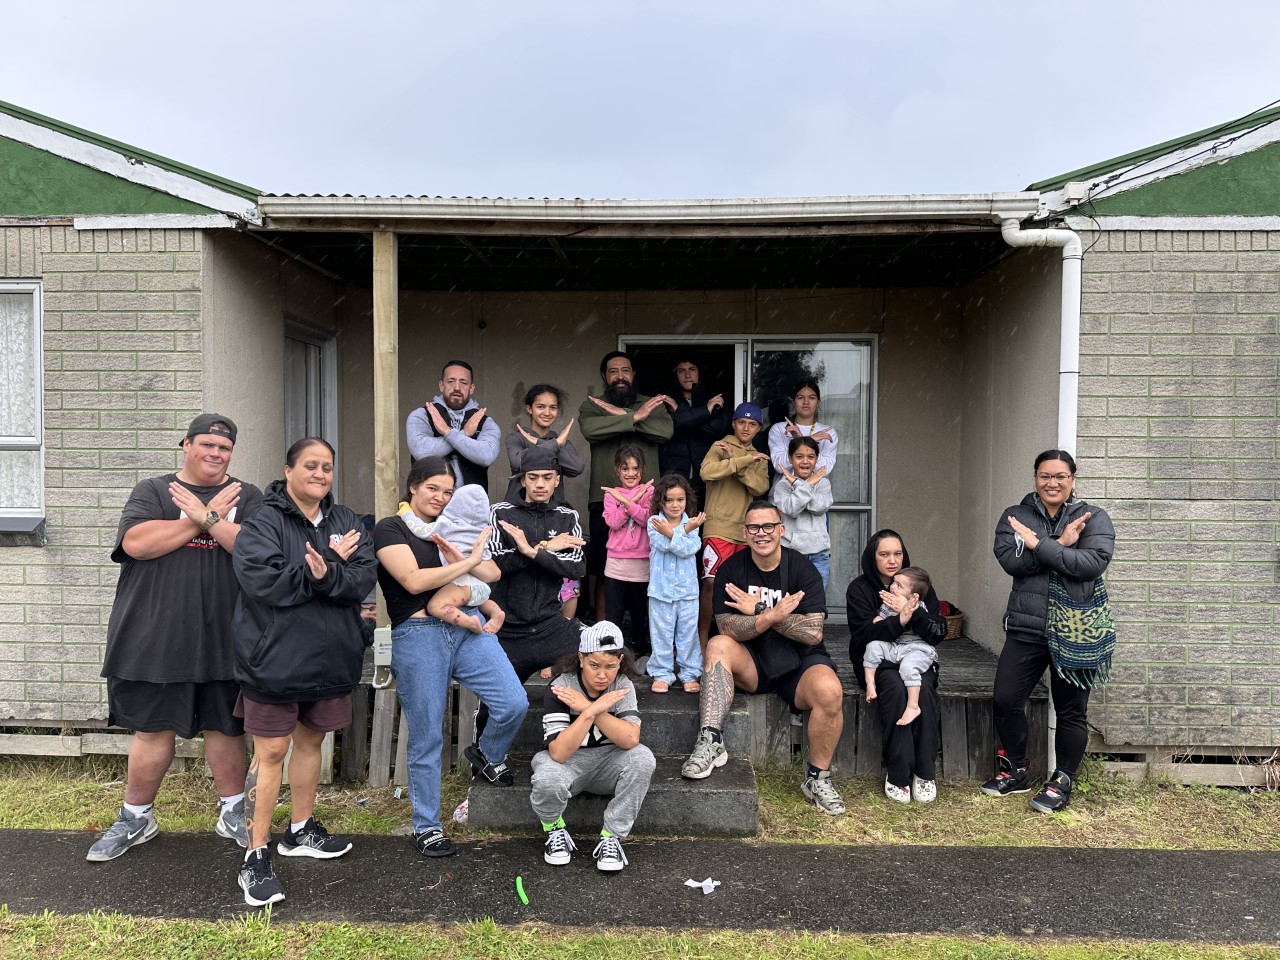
{"x": 112, "y": 936}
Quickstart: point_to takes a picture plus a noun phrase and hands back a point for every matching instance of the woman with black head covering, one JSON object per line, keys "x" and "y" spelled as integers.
{"x": 910, "y": 752}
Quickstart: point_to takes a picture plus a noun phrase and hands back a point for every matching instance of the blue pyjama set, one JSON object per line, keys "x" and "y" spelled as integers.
{"x": 673, "y": 631}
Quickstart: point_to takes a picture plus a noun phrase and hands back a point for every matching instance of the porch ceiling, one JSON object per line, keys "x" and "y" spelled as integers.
{"x": 497, "y": 244}
{"x": 928, "y": 257}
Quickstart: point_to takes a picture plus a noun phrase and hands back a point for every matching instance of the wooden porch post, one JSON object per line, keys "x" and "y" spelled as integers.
{"x": 386, "y": 458}
{"x": 386, "y": 373}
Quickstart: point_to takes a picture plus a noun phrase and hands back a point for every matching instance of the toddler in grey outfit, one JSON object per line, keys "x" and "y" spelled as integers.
{"x": 460, "y": 523}
{"x": 912, "y": 654}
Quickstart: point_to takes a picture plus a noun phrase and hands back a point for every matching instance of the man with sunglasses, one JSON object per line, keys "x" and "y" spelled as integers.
{"x": 769, "y": 607}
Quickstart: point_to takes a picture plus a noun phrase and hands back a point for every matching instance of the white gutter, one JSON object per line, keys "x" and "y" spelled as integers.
{"x": 1068, "y": 360}
{"x": 985, "y": 206}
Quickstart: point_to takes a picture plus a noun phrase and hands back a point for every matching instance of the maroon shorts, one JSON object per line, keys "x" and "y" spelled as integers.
{"x": 716, "y": 551}
{"x": 279, "y": 719}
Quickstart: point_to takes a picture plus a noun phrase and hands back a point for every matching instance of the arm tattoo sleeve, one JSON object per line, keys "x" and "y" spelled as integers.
{"x": 803, "y": 628}
{"x": 740, "y": 626}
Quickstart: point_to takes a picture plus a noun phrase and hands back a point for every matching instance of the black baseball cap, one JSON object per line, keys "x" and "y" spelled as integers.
{"x": 214, "y": 423}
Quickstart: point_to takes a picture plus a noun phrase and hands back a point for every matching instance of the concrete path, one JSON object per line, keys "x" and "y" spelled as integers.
{"x": 1039, "y": 892}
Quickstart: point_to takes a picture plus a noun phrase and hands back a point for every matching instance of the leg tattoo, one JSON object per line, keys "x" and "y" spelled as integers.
{"x": 717, "y": 696}
{"x": 251, "y": 800}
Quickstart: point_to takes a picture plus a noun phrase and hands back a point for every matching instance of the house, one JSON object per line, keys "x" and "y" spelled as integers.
{"x": 139, "y": 291}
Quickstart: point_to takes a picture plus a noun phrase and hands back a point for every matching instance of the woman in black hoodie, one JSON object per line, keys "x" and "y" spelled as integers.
{"x": 304, "y": 564}
{"x": 910, "y": 752}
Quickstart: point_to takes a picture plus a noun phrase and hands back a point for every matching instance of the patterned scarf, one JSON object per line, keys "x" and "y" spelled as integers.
{"x": 1081, "y": 634}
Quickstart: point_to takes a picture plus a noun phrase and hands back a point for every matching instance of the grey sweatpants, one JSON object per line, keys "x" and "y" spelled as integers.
{"x": 602, "y": 770}
{"x": 913, "y": 658}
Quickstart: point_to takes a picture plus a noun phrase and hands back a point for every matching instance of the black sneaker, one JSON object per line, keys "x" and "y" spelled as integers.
{"x": 258, "y": 880}
{"x": 313, "y": 840}
{"x": 1054, "y": 795}
{"x": 498, "y": 775}
{"x": 433, "y": 843}
{"x": 1008, "y": 780}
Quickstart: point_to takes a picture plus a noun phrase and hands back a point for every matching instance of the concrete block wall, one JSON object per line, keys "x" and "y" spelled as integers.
{"x": 1179, "y": 380}
{"x": 122, "y": 354}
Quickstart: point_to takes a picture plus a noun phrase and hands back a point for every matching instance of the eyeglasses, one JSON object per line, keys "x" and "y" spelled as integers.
{"x": 1046, "y": 477}
{"x": 754, "y": 528}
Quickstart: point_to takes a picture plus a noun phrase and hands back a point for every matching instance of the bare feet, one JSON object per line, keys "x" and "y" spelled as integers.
{"x": 545, "y": 673}
{"x": 871, "y": 692}
{"x": 495, "y": 622}
{"x": 661, "y": 686}
{"x": 459, "y": 619}
{"x": 908, "y": 715}
{"x": 692, "y": 686}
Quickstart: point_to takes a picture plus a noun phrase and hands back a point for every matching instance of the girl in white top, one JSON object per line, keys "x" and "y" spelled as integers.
{"x": 804, "y": 423}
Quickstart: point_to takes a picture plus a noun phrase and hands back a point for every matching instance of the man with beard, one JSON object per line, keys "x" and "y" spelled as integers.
{"x": 454, "y": 426}
{"x": 620, "y": 417}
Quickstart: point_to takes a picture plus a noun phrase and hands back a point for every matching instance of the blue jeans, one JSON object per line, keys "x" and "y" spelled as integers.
{"x": 823, "y": 562}
{"x": 425, "y": 655}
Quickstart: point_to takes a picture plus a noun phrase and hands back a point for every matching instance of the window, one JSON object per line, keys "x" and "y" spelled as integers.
{"x": 21, "y": 407}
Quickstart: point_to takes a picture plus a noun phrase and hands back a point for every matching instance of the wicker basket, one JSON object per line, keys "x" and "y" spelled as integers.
{"x": 955, "y": 624}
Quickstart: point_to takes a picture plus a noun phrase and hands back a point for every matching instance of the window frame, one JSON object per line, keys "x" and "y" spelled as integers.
{"x": 27, "y": 519}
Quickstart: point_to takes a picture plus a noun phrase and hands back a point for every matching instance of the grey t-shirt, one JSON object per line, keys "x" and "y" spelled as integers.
{"x": 171, "y": 620}
{"x": 556, "y": 716}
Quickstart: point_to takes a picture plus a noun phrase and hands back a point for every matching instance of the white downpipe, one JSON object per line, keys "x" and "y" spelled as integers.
{"x": 1068, "y": 357}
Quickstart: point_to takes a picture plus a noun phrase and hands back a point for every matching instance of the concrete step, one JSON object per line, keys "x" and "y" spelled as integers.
{"x": 669, "y": 721}
{"x": 724, "y": 804}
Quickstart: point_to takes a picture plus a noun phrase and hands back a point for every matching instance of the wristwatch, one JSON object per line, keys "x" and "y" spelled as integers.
{"x": 212, "y": 518}
{"x": 761, "y": 607}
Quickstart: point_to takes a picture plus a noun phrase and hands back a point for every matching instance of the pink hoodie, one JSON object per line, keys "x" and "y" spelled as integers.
{"x": 628, "y": 528}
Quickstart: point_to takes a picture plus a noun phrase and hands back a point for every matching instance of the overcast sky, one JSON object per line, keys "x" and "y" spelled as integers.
{"x": 654, "y": 99}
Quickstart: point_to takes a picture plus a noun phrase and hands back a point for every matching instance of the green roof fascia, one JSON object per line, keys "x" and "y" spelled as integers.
{"x": 88, "y": 136}
{"x": 1247, "y": 185}
{"x": 1096, "y": 170}
{"x": 34, "y": 183}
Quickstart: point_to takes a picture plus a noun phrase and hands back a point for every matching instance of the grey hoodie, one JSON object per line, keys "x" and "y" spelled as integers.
{"x": 804, "y": 507}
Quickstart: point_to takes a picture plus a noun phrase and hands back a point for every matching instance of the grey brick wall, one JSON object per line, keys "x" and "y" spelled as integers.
{"x": 1178, "y": 440}
{"x": 122, "y": 379}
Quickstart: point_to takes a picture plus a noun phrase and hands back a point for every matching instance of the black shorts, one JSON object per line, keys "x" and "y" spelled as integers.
{"x": 784, "y": 685}
{"x": 185, "y": 708}
{"x": 598, "y": 530}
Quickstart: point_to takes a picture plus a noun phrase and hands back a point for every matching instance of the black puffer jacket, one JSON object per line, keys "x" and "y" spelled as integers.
{"x": 862, "y": 604}
{"x": 299, "y": 638}
{"x": 1079, "y": 566}
{"x": 695, "y": 431}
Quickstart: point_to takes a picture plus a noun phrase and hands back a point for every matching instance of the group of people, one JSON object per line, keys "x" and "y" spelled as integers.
{"x": 240, "y": 610}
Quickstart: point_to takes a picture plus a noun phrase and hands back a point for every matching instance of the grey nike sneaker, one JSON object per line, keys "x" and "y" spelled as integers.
{"x": 707, "y": 755}
{"x": 231, "y": 824}
{"x": 128, "y": 831}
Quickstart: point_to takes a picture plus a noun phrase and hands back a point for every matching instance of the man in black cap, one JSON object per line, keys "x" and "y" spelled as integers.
{"x": 169, "y": 661}
{"x": 536, "y": 544}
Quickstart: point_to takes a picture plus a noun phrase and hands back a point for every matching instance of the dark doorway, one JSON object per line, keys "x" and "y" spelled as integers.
{"x": 655, "y": 365}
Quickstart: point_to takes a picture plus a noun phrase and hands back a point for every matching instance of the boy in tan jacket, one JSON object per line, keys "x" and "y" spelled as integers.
{"x": 735, "y": 473}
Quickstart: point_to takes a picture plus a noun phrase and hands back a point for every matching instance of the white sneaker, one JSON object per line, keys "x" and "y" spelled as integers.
{"x": 925, "y": 791}
{"x": 897, "y": 794}
{"x": 707, "y": 755}
{"x": 821, "y": 792}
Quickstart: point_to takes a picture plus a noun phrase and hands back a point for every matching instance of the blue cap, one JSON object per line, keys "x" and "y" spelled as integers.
{"x": 747, "y": 411}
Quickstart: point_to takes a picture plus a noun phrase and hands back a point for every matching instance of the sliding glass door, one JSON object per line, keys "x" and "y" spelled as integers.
{"x": 766, "y": 370}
